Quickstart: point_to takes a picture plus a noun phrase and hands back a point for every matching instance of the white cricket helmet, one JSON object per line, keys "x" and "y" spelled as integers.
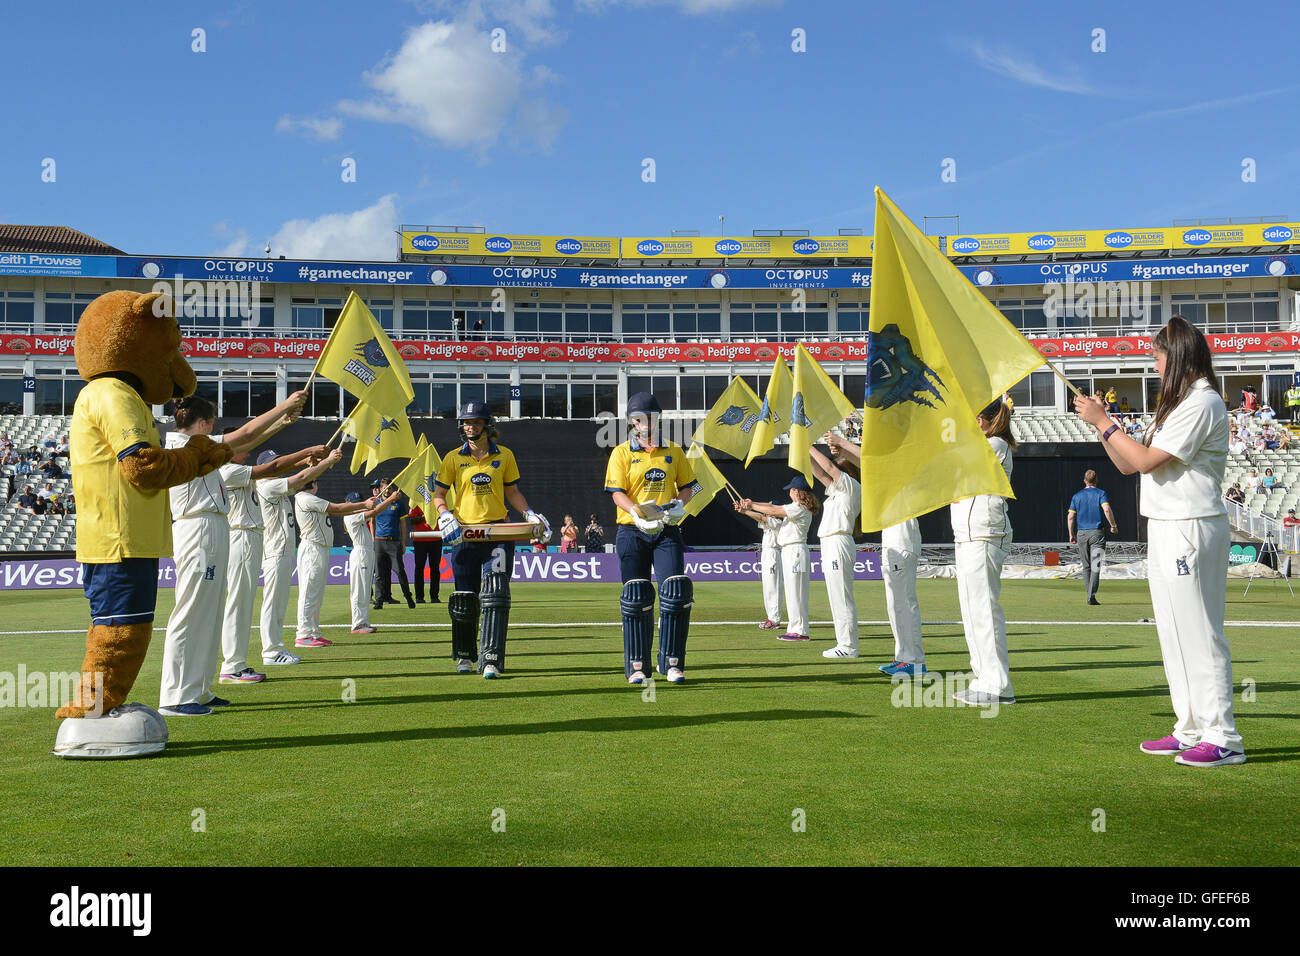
{"x": 132, "y": 730}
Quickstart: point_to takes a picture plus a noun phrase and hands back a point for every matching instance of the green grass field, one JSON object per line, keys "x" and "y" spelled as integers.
{"x": 582, "y": 770}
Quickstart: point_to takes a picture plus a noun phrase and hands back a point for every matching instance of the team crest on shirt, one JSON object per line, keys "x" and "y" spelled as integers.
{"x": 496, "y": 463}
{"x": 1180, "y": 565}
{"x": 896, "y": 374}
{"x": 211, "y": 573}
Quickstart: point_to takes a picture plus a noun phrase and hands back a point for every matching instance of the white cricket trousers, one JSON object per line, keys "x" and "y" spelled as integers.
{"x": 797, "y": 567}
{"x": 361, "y": 569}
{"x": 839, "y": 553}
{"x": 200, "y": 547}
{"x": 771, "y": 565}
{"x": 241, "y": 590}
{"x": 277, "y": 576}
{"x": 313, "y": 571}
{"x": 901, "y": 604}
{"x": 1187, "y": 569}
{"x": 979, "y": 583}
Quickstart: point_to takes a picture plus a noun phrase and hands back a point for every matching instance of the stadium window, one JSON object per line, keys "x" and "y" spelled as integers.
{"x": 816, "y": 318}
{"x": 765, "y": 319}
{"x": 21, "y": 315}
{"x": 472, "y": 390}
{"x": 57, "y": 311}
{"x": 420, "y": 406}
{"x": 308, "y": 317}
{"x": 1241, "y": 316}
{"x": 530, "y": 400}
{"x": 324, "y": 400}
{"x": 710, "y": 323}
{"x": 350, "y": 402}
{"x": 525, "y": 318}
{"x": 550, "y": 322}
{"x": 714, "y": 386}
{"x": 72, "y": 387}
{"x": 1265, "y": 315}
{"x": 692, "y": 389}
{"x": 602, "y": 320}
{"x": 656, "y": 319}
{"x": 742, "y": 319}
{"x": 442, "y": 399}
{"x": 234, "y": 398}
{"x": 855, "y": 389}
{"x": 1042, "y": 388}
{"x": 792, "y": 321}
{"x": 638, "y": 383}
{"x": 414, "y": 319}
{"x": 1152, "y": 391}
{"x": 685, "y": 323}
{"x": 49, "y": 396}
{"x": 576, "y": 323}
{"x": 1020, "y": 394}
{"x": 606, "y": 398}
{"x": 209, "y": 388}
{"x": 498, "y": 397}
{"x": 261, "y": 398}
{"x": 11, "y": 396}
{"x": 584, "y": 400}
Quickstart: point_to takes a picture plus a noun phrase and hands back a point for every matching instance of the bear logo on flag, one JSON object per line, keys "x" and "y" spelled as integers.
{"x": 896, "y": 373}
{"x": 797, "y": 417}
{"x": 373, "y": 353}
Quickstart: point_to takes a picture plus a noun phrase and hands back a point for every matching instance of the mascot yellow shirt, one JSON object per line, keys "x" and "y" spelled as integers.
{"x": 647, "y": 476}
{"x": 109, "y": 421}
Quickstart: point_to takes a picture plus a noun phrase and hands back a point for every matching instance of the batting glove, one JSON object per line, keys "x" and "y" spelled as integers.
{"x": 674, "y": 512}
{"x": 649, "y": 527}
{"x": 543, "y": 534}
{"x": 449, "y": 527}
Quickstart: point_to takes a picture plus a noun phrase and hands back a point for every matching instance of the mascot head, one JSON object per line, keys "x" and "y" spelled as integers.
{"x": 133, "y": 334}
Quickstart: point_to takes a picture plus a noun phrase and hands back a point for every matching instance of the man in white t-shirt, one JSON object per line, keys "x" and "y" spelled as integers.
{"x": 313, "y": 514}
{"x": 361, "y": 561}
{"x": 278, "y": 542}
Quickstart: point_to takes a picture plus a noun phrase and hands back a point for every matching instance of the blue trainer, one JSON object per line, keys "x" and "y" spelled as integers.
{"x": 217, "y": 702}
{"x": 900, "y": 667}
{"x": 186, "y": 710}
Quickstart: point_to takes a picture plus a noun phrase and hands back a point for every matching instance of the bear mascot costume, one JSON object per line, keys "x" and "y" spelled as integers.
{"x": 127, "y": 349}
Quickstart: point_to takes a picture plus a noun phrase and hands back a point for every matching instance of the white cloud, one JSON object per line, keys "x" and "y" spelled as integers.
{"x": 528, "y": 19}
{"x": 690, "y": 7}
{"x": 1065, "y": 78}
{"x": 322, "y": 129}
{"x": 446, "y": 83}
{"x": 1204, "y": 105}
{"x": 368, "y": 233}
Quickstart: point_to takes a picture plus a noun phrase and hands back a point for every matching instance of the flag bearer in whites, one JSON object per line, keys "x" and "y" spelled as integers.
{"x": 278, "y": 543}
{"x": 900, "y": 548}
{"x": 361, "y": 562}
{"x": 245, "y": 559}
{"x": 313, "y": 514}
{"x": 770, "y": 562}
{"x": 796, "y": 561}
{"x": 981, "y": 529}
{"x": 839, "y": 551}
{"x": 1182, "y": 466}
{"x": 201, "y": 542}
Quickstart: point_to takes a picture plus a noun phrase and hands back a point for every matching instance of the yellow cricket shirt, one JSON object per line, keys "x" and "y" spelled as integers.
{"x": 480, "y": 484}
{"x": 647, "y": 476}
{"x": 115, "y": 519}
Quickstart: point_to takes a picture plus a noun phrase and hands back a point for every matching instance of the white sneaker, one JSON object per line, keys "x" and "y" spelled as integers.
{"x": 284, "y": 657}
{"x": 676, "y": 675}
{"x": 464, "y": 666}
{"x": 490, "y": 672}
{"x": 840, "y": 652}
{"x": 636, "y": 677}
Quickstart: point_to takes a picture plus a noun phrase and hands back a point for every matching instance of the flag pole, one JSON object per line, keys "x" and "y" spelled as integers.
{"x": 1068, "y": 384}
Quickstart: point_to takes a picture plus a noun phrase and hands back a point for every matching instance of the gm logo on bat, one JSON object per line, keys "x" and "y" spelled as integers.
{"x": 476, "y": 534}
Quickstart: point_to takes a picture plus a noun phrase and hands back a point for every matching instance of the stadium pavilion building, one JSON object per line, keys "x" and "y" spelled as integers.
{"x": 566, "y": 328}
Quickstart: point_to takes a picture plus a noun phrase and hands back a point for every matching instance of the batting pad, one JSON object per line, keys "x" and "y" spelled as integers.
{"x": 676, "y": 596}
{"x": 638, "y": 605}
{"x": 462, "y": 608}
{"x": 495, "y": 601}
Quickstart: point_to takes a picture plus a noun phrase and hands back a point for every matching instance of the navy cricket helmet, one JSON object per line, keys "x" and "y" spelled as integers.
{"x": 353, "y": 497}
{"x": 266, "y": 456}
{"x": 643, "y": 403}
{"x": 475, "y": 410}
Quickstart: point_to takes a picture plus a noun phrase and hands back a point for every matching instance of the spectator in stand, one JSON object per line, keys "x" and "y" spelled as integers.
{"x": 50, "y": 439}
{"x": 1283, "y": 439}
{"x": 1269, "y": 436}
{"x": 1124, "y": 406}
{"x": 23, "y": 468}
{"x": 1236, "y": 494}
{"x": 595, "y": 536}
{"x": 1249, "y": 400}
{"x": 479, "y": 329}
{"x": 70, "y": 502}
{"x": 568, "y": 535}
{"x": 51, "y": 470}
{"x": 1252, "y": 482}
{"x": 1112, "y": 400}
{"x": 1236, "y": 444}
{"x": 1290, "y": 521}
{"x": 40, "y": 505}
{"x": 57, "y": 507}
{"x": 62, "y": 448}
{"x": 47, "y": 492}
{"x": 27, "y": 500}
{"x": 1270, "y": 482}
{"x": 1266, "y": 413}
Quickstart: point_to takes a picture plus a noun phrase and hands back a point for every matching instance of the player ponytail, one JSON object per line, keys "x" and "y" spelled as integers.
{"x": 192, "y": 410}
{"x": 1187, "y": 359}
{"x": 996, "y": 418}
{"x": 808, "y": 500}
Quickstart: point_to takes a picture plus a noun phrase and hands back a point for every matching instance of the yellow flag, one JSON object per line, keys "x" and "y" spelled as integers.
{"x": 938, "y": 352}
{"x": 708, "y": 477}
{"x": 818, "y": 404}
{"x": 731, "y": 420}
{"x": 382, "y": 436}
{"x": 774, "y": 416}
{"x": 417, "y": 478}
{"x": 360, "y": 357}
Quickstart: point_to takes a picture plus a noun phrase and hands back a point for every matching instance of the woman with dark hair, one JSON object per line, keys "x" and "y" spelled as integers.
{"x": 1182, "y": 463}
{"x": 201, "y": 543}
{"x": 595, "y": 540}
{"x": 796, "y": 520}
{"x": 982, "y": 532}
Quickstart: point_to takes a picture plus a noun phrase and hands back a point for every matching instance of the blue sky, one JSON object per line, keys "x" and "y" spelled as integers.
{"x": 163, "y": 150}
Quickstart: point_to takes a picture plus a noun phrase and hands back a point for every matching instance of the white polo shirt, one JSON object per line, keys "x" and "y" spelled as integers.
{"x": 313, "y": 519}
{"x": 984, "y": 516}
{"x": 277, "y": 516}
{"x": 241, "y": 489}
{"x": 771, "y": 526}
{"x": 841, "y": 508}
{"x": 358, "y": 528}
{"x": 904, "y": 536}
{"x": 794, "y": 529}
{"x": 205, "y": 495}
{"x": 1196, "y": 434}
